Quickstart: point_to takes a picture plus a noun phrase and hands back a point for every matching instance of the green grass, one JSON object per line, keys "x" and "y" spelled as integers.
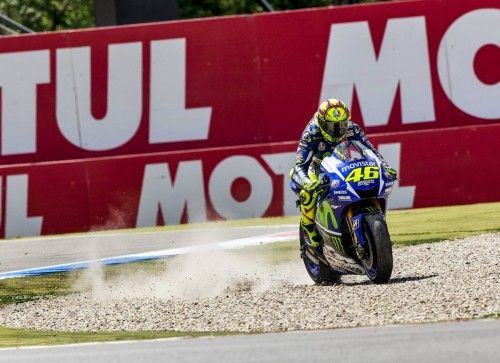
{"x": 10, "y": 337}
{"x": 411, "y": 226}
{"x": 407, "y": 227}
{"x": 414, "y": 226}
{"x": 491, "y": 316}
{"x": 15, "y": 291}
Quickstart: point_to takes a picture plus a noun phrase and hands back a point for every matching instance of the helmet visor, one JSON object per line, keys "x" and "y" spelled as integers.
{"x": 336, "y": 129}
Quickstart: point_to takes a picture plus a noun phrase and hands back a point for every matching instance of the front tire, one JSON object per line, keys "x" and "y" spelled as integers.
{"x": 319, "y": 272}
{"x": 377, "y": 261}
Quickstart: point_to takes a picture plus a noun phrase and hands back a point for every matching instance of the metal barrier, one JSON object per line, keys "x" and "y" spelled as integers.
{"x": 10, "y": 26}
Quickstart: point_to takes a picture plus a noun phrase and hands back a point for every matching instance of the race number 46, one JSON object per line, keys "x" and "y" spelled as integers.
{"x": 366, "y": 173}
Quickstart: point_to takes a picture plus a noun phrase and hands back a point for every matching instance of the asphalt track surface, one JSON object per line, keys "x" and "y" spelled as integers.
{"x": 471, "y": 341}
{"x": 25, "y": 253}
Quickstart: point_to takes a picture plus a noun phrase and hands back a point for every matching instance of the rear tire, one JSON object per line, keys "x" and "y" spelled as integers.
{"x": 319, "y": 272}
{"x": 378, "y": 260}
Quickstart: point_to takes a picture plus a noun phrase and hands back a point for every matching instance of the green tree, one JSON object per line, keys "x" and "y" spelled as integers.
{"x": 202, "y": 8}
{"x": 46, "y": 15}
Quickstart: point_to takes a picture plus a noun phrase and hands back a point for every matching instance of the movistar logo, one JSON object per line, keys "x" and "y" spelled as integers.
{"x": 358, "y": 164}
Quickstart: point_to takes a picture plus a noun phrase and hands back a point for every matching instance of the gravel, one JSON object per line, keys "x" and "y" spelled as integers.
{"x": 449, "y": 280}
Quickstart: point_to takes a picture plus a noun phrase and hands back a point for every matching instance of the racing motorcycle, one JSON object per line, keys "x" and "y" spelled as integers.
{"x": 350, "y": 217}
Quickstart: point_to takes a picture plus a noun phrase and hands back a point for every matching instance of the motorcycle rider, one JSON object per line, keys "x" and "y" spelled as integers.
{"x": 330, "y": 125}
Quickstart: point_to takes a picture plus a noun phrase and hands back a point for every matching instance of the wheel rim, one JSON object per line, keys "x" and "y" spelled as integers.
{"x": 311, "y": 266}
{"x": 369, "y": 261}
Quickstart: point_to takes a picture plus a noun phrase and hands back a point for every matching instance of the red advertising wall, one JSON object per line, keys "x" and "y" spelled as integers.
{"x": 198, "y": 120}
{"x": 247, "y": 79}
{"x": 248, "y": 181}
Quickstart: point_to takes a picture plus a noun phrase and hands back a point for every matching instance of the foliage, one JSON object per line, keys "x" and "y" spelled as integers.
{"x": 197, "y": 8}
{"x": 202, "y": 8}
{"x": 47, "y": 15}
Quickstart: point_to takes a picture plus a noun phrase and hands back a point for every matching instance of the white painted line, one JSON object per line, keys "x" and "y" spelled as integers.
{"x": 226, "y": 245}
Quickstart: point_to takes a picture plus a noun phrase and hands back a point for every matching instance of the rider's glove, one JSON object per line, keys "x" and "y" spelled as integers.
{"x": 392, "y": 172}
{"x": 311, "y": 186}
{"x": 309, "y": 192}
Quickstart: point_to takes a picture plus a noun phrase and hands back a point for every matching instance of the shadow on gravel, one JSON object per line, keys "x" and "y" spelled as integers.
{"x": 396, "y": 280}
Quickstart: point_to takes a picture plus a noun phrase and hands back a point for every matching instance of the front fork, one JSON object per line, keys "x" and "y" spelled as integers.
{"x": 355, "y": 225}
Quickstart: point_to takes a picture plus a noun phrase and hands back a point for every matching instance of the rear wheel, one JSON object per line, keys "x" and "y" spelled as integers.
{"x": 377, "y": 261}
{"x": 319, "y": 272}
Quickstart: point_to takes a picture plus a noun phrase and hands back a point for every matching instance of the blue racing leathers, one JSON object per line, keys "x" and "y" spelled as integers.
{"x": 313, "y": 147}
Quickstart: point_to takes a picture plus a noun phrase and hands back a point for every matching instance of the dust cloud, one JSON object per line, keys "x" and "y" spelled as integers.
{"x": 199, "y": 275}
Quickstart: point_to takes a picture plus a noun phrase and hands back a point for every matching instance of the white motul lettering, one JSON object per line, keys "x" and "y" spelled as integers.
{"x": 280, "y": 164}
{"x": 170, "y": 120}
{"x": 400, "y": 197}
{"x": 456, "y": 63}
{"x": 124, "y": 101}
{"x": 160, "y": 192}
{"x": 17, "y": 222}
{"x": 403, "y": 60}
{"x": 222, "y": 178}
{"x": 20, "y": 73}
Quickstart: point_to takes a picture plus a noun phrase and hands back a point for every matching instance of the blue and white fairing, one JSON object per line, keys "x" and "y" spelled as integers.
{"x": 354, "y": 173}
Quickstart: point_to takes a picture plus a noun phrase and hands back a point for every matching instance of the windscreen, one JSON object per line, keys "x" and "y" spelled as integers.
{"x": 350, "y": 150}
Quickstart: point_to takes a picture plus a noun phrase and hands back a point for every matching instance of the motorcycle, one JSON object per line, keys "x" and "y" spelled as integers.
{"x": 350, "y": 217}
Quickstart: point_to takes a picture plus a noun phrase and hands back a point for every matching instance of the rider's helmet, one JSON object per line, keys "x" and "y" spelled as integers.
{"x": 333, "y": 118}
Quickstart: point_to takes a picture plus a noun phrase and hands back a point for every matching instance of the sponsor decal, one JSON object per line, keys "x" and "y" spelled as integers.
{"x": 366, "y": 182}
{"x": 345, "y": 198}
{"x": 355, "y": 223}
{"x": 335, "y": 184}
{"x": 321, "y": 146}
{"x": 340, "y": 192}
{"x": 358, "y": 164}
{"x": 337, "y": 242}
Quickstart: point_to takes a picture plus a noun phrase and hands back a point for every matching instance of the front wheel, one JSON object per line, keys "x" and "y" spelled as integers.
{"x": 377, "y": 260}
{"x": 319, "y": 272}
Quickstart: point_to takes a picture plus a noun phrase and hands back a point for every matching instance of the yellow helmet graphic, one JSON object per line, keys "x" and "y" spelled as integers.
{"x": 333, "y": 118}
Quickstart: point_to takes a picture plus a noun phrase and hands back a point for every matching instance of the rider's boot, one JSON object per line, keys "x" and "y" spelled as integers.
{"x": 313, "y": 238}
{"x": 308, "y": 212}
